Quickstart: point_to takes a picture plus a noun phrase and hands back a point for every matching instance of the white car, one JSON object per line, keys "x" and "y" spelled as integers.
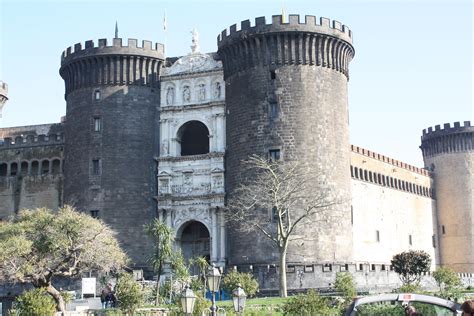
{"x": 440, "y": 306}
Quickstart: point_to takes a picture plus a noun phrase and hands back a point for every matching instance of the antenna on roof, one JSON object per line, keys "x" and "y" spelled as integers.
{"x": 116, "y": 29}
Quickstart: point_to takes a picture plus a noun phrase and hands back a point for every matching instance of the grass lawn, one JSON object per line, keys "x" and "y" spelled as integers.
{"x": 261, "y": 301}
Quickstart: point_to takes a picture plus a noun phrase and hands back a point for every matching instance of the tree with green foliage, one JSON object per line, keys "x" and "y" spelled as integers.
{"x": 40, "y": 245}
{"x": 280, "y": 198}
{"x": 162, "y": 237}
{"x": 345, "y": 285}
{"x": 34, "y": 302}
{"x": 448, "y": 281}
{"x": 203, "y": 266}
{"x": 410, "y": 265}
{"x": 231, "y": 280}
{"x": 129, "y": 293}
{"x": 178, "y": 279}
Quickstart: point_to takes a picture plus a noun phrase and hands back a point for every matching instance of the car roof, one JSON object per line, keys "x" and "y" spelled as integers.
{"x": 403, "y": 297}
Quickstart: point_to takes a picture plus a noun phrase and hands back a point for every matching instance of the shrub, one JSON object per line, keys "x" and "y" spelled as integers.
{"x": 129, "y": 293}
{"x": 380, "y": 309}
{"x": 344, "y": 284}
{"x": 246, "y": 280}
{"x": 35, "y": 302}
{"x": 449, "y": 283}
{"x": 200, "y": 304}
{"x": 306, "y": 305}
{"x": 409, "y": 288}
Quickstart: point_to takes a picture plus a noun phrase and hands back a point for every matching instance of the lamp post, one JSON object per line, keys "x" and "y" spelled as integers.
{"x": 239, "y": 297}
{"x": 213, "y": 280}
{"x": 187, "y": 300}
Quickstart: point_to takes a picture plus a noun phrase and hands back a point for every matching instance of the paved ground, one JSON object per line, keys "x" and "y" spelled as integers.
{"x": 91, "y": 303}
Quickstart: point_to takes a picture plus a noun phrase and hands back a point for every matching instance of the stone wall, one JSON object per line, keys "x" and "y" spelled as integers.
{"x": 280, "y": 99}
{"x": 449, "y": 153}
{"x": 368, "y": 277}
{"x": 392, "y": 210}
{"x": 31, "y": 168}
{"x": 111, "y": 130}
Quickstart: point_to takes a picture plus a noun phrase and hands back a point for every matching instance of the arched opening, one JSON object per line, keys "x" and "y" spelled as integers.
{"x": 13, "y": 169}
{"x": 24, "y": 168}
{"x": 3, "y": 169}
{"x": 193, "y": 137}
{"x": 56, "y": 166}
{"x": 34, "y": 168}
{"x": 45, "y": 167}
{"x": 195, "y": 242}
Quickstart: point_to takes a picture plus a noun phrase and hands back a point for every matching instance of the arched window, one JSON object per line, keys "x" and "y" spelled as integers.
{"x": 34, "y": 168}
{"x": 45, "y": 167}
{"x": 3, "y": 169}
{"x": 13, "y": 169}
{"x": 193, "y": 137}
{"x": 56, "y": 166}
{"x": 24, "y": 168}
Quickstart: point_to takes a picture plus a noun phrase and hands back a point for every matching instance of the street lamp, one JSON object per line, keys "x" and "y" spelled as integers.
{"x": 213, "y": 280}
{"x": 187, "y": 300}
{"x": 239, "y": 298}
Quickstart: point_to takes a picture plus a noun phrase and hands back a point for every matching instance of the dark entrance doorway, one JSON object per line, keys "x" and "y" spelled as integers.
{"x": 195, "y": 242}
{"x": 194, "y": 138}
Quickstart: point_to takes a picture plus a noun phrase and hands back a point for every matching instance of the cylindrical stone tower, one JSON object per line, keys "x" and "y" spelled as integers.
{"x": 3, "y": 95}
{"x": 111, "y": 135}
{"x": 286, "y": 96}
{"x": 449, "y": 153}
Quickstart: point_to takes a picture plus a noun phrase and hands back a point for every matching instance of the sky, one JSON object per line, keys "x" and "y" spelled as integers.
{"x": 413, "y": 64}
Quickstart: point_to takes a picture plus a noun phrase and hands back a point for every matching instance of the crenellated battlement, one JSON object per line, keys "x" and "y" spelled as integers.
{"x": 327, "y": 44}
{"x": 31, "y": 140}
{"x": 117, "y": 64}
{"x": 447, "y": 139}
{"x": 325, "y": 26}
{"x": 437, "y": 130}
{"x": 117, "y": 48}
{"x": 393, "y": 162}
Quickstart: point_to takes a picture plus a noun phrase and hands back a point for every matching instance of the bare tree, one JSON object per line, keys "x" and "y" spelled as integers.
{"x": 277, "y": 200}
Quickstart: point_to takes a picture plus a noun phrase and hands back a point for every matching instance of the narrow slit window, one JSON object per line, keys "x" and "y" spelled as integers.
{"x": 97, "y": 124}
{"x": 97, "y": 95}
{"x": 272, "y": 74}
{"x": 273, "y": 110}
{"x": 274, "y": 154}
{"x": 96, "y": 167}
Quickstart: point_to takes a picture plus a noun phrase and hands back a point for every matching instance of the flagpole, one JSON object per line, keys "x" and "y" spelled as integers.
{"x": 165, "y": 29}
{"x": 283, "y": 13}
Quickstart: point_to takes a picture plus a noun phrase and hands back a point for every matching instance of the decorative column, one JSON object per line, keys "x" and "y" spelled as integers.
{"x": 214, "y": 235}
{"x": 222, "y": 252}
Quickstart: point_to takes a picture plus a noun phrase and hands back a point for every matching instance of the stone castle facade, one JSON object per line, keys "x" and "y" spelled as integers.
{"x": 146, "y": 136}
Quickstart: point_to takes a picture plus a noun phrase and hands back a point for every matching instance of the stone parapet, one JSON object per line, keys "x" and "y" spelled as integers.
{"x": 394, "y": 162}
{"x": 447, "y": 139}
{"x": 300, "y": 43}
{"x": 117, "y": 48}
{"x": 111, "y": 65}
{"x": 31, "y": 140}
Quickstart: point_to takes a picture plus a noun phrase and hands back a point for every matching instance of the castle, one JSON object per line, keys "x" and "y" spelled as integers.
{"x": 147, "y": 137}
